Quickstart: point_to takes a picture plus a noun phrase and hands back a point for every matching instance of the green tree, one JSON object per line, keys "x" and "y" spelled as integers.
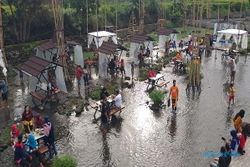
{"x": 23, "y": 12}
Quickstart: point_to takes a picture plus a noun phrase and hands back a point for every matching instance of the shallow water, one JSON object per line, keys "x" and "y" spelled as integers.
{"x": 146, "y": 138}
{"x": 142, "y": 137}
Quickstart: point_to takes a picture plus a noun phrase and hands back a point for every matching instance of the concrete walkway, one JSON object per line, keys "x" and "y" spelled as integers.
{"x": 242, "y": 160}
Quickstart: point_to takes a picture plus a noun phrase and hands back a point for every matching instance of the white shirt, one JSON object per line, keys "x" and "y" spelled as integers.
{"x": 118, "y": 100}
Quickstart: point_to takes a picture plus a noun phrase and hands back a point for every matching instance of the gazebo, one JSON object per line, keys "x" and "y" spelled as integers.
{"x": 163, "y": 33}
{"x": 97, "y": 38}
{"x": 173, "y": 35}
{"x": 136, "y": 42}
{"x": 48, "y": 50}
{"x": 106, "y": 51}
{"x": 230, "y": 36}
{"x": 43, "y": 75}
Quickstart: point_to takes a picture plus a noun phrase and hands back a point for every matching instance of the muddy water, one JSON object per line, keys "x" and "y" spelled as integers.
{"x": 146, "y": 138}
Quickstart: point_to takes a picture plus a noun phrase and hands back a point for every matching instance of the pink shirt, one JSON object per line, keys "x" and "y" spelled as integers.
{"x": 46, "y": 128}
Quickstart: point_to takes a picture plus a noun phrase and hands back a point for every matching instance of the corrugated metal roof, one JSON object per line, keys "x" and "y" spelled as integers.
{"x": 164, "y": 31}
{"x": 34, "y": 66}
{"x": 108, "y": 48}
{"x": 138, "y": 38}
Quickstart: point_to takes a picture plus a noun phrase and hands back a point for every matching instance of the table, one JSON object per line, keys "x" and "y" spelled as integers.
{"x": 154, "y": 80}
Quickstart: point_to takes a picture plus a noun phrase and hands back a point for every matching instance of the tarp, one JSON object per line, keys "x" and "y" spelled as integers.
{"x": 239, "y": 36}
{"x": 103, "y": 65}
{"x": 2, "y": 64}
{"x": 78, "y": 55}
{"x": 134, "y": 52}
{"x": 162, "y": 41}
{"x": 60, "y": 82}
{"x": 99, "y": 37}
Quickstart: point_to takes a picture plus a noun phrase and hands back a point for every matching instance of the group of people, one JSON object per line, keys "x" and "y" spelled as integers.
{"x": 235, "y": 146}
{"x": 115, "y": 65}
{"x": 25, "y": 145}
{"x": 108, "y": 108}
{"x": 82, "y": 73}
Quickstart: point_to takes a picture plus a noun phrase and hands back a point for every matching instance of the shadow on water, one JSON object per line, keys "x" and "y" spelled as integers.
{"x": 116, "y": 123}
{"x": 172, "y": 126}
{"x": 106, "y": 157}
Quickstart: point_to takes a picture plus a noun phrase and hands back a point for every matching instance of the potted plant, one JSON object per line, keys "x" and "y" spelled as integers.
{"x": 157, "y": 97}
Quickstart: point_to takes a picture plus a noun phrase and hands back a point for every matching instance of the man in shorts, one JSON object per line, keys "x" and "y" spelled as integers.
{"x": 174, "y": 93}
{"x": 231, "y": 95}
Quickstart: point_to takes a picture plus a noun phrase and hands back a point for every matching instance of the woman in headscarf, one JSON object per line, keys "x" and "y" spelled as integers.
{"x": 238, "y": 120}
{"x": 27, "y": 119}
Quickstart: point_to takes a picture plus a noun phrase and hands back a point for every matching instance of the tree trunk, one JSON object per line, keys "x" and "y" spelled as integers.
{"x": 1, "y": 35}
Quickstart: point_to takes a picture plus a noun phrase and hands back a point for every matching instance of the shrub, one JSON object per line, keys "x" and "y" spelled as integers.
{"x": 64, "y": 161}
{"x": 157, "y": 96}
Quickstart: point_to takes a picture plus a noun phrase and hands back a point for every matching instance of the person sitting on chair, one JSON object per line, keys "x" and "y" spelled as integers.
{"x": 104, "y": 93}
{"x": 117, "y": 103}
{"x": 27, "y": 119}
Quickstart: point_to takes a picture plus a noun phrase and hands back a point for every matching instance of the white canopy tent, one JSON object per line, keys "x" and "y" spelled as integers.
{"x": 100, "y": 36}
{"x": 238, "y": 36}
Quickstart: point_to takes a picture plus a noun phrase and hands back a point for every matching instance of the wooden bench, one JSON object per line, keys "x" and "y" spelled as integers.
{"x": 161, "y": 84}
{"x": 113, "y": 111}
{"x": 43, "y": 149}
{"x": 37, "y": 96}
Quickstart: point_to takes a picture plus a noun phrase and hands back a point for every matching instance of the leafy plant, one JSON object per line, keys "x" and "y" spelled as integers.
{"x": 64, "y": 161}
{"x": 157, "y": 97}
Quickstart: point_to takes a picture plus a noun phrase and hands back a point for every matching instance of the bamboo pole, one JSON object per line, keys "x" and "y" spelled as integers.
{"x": 228, "y": 13}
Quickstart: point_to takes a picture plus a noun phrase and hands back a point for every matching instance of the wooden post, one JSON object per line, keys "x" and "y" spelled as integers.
{"x": 228, "y": 13}
{"x": 241, "y": 5}
{"x": 1, "y": 36}
{"x": 57, "y": 6}
{"x": 87, "y": 18}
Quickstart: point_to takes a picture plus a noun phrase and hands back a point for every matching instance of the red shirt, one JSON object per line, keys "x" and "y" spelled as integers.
{"x": 79, "y": 73}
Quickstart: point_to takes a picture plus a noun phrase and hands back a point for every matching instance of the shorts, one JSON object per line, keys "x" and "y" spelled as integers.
{"x": 5, "y": 96}
{"x": 78, "y": 82}
{"x": 174, "y": 102}
{"x": 231, "y": 98}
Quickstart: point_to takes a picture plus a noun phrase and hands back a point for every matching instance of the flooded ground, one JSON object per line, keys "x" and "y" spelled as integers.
{"x": 142, "y": 137}
{"x": 145, "y": 138}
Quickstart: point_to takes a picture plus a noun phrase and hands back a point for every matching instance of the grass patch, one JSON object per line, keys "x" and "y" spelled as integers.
{"x": 64, "y": 161}
{"x": 96, "y": 91}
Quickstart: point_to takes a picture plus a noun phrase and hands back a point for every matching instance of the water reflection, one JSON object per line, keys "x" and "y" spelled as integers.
{"x": 106, "y": 157}
{"x": 172, "y": 126}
